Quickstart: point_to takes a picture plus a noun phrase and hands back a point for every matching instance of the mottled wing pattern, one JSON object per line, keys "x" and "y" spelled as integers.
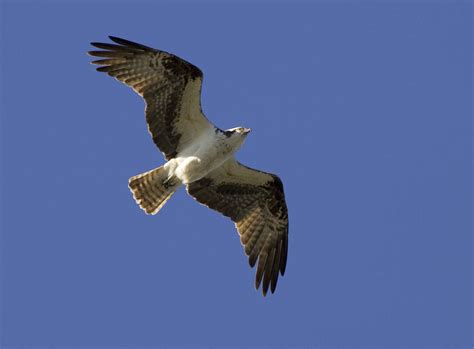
{"x": 255, "y": 201}
{"x": 170, "y": 86}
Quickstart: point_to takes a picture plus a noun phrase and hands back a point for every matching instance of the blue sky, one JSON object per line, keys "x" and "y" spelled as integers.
{"x": 362, "y": 108}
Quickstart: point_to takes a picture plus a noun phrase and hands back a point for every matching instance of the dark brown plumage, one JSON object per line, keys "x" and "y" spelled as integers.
{"x": 160, "y": 78}
{"x": 255, "y": 201}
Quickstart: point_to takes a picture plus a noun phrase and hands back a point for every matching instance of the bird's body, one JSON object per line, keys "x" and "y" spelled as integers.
{"x": 205, "y": 153}
{"x": 199, "y": 155}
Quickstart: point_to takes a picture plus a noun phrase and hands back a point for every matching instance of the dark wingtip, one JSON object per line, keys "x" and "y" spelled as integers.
{"x": 130, "y": 44}
{"x": 257, "y": 283}
{"x": 114, "y": 38}
{"x": 96, "y": 53}
{"x": 265, "y": 285}
{"x": 274, "y": 283}
{"x": 284, "y": 255}
{"x": 103, "y": 69}
{"x": 252, "y": 261}
{"x": 101, "y": 61}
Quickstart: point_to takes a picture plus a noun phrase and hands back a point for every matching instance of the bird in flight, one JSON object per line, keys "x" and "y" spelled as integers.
{"x": 199, "y": 155}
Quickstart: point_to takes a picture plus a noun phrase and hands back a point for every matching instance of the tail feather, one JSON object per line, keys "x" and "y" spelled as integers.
{"x": 152, "y": 189}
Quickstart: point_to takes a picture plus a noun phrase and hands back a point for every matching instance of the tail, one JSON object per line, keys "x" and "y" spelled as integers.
{"x": 152, "y": 189}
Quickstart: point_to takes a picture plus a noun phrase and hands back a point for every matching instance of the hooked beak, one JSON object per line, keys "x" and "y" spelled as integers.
{"x": 247, "y": 130}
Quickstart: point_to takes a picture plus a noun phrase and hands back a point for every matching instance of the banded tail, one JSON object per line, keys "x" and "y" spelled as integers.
{"x": 152, "y": 189}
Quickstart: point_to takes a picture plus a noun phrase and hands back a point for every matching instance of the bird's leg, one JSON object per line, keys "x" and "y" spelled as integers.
{"x": 169, "y": 182}
{"x": 170, "y": 167}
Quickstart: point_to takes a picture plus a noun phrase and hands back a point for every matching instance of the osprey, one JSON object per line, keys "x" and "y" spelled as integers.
{"x": 199, "y": 155}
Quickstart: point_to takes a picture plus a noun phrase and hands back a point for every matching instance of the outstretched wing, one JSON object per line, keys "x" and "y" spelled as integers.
{"x": 255, "y": 201}
{"x": 170, "y": 86}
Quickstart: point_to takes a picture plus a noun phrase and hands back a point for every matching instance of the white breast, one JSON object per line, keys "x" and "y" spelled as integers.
{"x": 207, "y": 152}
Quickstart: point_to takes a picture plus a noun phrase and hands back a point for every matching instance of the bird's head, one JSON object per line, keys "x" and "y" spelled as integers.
{"x": 237, "y": 131}
{"x": 236, "y": 136}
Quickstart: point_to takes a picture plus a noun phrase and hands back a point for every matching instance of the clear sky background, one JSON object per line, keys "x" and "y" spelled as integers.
{"x": 362, "y": 108}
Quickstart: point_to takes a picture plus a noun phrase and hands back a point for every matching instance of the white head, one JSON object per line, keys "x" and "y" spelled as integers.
{"x": 237, "y": 135}
{"x": 242, "y": 131}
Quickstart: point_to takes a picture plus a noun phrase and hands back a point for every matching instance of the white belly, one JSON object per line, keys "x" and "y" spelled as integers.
{"x": 200, "y": 158}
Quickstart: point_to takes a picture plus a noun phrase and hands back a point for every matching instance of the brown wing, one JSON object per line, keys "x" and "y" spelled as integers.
{"x": 255, "y": 201}
{"x": 170, "y": 86}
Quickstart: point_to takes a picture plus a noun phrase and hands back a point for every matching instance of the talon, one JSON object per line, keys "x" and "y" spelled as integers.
{"x": 169, "y": 183}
